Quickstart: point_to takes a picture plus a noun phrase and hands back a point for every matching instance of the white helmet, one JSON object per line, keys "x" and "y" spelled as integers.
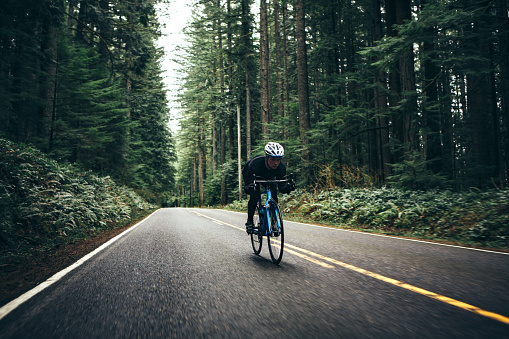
{"x": 273, "y": 149}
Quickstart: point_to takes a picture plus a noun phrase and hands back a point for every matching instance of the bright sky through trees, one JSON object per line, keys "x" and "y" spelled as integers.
{"x": 173, "y": 17}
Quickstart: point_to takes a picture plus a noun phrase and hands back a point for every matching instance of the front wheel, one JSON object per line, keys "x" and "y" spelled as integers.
{"x": 256, "y": 238}
{"x": 277, "y": 235}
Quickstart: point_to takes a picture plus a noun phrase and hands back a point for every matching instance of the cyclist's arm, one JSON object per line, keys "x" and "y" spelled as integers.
{"x": 249, "y": 179}
{"x": 280, "y": 175}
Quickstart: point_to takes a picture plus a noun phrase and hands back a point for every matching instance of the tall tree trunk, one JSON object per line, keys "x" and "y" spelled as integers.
{"x": 239, "y": 153}
{"x": 193, "y": 183}
{"x": 332, "y": 72}
{"x": 286, "y": 53}
{"x": 231, "y": 115}
{"x": 247, "y": 64}
{"x": 446, "y": 125}
{"x": 213, "y": 127}
{"x": 482, "y": 110}
{"x": 430, "y": 110}
{"x": 213, "y": 114}
{"x": 222, "y": 140}
{"x": 394, "y": 83}
{"x": 316, "y": 80}
{"x": 279, "y": 60}
{"x": 49, "y": 82}
{"x": 248, "y": 110}
{"x": 302, "y": 81}
{"x": 349, "y": 35}
{"x": 352, "y": 94}
{"x": 81, "y": 30}
{"x": 380, "y": 101}
{"x": 71, "y": 17}
{"x": 402, "y": 82}
{"x": 264, "y": 68}
{"x": 200, "y": 162}
{"x": 104, "y": 30}
{"x": 53, "y": 110}
{"x": 407, "y": 76}
{"x": 504, "y": 91}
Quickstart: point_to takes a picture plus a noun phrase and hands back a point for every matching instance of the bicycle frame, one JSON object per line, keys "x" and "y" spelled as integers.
{"x": 263, "y": 212}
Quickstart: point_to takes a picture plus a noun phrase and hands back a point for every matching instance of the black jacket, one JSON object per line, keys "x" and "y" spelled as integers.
{"x": 257, "y": 167}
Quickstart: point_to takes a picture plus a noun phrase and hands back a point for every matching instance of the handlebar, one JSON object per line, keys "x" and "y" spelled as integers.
{"x": 261, "y": 180}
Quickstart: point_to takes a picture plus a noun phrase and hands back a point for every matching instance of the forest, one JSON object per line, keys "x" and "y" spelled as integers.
{"x": 408, "y": 94}
{"x": 81, "y": 81}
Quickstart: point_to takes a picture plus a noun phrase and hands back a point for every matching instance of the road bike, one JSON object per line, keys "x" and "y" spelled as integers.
{"x": 270, "y": 222}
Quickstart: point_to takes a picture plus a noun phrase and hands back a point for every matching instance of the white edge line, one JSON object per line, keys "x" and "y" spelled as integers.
{"x": 11, "y": 306}
{"x": 389, "y": 236}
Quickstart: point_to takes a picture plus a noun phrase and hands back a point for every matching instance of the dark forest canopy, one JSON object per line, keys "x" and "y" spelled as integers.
{"x": 412, "y": 94}
{"x": 81, "y": 81}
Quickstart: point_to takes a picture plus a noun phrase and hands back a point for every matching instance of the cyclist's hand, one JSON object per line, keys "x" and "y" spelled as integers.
{"x": 250, "y": 188}
{"x": 288, "y": 187}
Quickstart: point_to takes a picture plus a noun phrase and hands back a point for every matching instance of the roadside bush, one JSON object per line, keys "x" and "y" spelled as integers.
{"x": 470, "y": 217}
{"x": 42, "y": 200}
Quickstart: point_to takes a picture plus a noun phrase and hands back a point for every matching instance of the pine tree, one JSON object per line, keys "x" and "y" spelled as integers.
{"x": 81, "y": 80}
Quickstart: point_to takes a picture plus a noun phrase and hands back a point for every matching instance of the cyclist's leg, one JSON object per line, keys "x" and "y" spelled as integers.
{"x": 251, "y": 208}
{"x": 251, "y": 205}
{"x": 274, "y": 195}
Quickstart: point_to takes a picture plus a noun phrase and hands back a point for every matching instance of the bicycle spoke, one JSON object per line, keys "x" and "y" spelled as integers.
{"x": 276, "y": 238}
{"x": 256, "y": 239}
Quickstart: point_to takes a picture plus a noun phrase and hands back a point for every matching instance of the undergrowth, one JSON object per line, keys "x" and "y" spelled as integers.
{"x": 44, "y": 203}
{"x": 478, "y": 218}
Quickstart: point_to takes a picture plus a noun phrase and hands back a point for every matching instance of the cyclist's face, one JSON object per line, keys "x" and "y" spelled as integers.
{"x": 272, "y": 162}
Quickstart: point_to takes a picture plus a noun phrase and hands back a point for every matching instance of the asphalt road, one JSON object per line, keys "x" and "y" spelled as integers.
{"x": 191, "y": 273}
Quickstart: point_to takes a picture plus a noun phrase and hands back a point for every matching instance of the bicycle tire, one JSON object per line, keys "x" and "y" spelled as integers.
{"x": 256, "y": 238}
{"x": 276, "y": 238}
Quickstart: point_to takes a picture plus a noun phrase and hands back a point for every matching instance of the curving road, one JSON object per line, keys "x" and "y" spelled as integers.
{"x": 191, "y": 273}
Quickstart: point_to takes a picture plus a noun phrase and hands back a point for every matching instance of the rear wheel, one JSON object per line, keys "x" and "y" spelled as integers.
{"x": 276, "y": 237}
{"x": 256, "y": 238}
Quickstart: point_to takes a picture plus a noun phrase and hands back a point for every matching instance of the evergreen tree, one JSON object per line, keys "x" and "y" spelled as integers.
{"x": 409, "y": 92}
{"x": 81, "y": 80}
{"x": 90, "y": 123}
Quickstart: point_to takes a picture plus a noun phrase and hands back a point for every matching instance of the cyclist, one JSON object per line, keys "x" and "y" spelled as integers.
{"x": 268, "y": 166}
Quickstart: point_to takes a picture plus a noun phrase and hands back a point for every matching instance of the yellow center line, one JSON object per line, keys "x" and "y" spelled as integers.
{"x": 318, "y": 262}
{"x": 409, "y": 287}
{"x": 395, "y": 282}
{"x": 218, "y": 221}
